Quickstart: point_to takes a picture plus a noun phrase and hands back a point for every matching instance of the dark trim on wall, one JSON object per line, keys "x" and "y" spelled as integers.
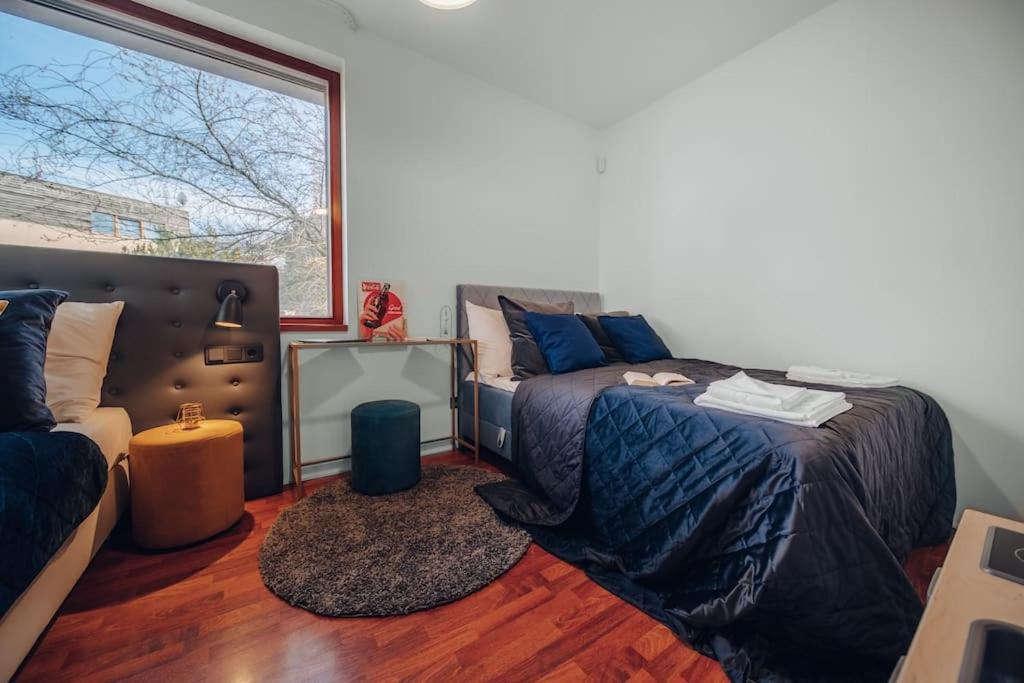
{"x": 334, "y": 136}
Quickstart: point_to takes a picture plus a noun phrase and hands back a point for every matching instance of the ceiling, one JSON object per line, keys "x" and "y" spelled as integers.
{"x": 596, "y": 61}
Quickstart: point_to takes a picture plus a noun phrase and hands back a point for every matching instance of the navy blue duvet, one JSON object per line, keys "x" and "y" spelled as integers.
{"x": 776, "y": 549}
{"x": 49, "y": 483}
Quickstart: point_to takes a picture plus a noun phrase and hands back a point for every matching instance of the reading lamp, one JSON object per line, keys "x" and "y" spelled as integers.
{"x": 231, "y": 294}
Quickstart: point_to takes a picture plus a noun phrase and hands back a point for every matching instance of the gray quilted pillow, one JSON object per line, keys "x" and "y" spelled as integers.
{"x": 527, "y": 360}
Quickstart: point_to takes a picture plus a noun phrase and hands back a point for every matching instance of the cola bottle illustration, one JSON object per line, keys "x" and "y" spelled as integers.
{"x": 380, "y": 308}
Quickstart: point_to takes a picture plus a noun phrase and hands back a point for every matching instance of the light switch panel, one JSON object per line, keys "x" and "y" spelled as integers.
{"x": 224, "y": 355}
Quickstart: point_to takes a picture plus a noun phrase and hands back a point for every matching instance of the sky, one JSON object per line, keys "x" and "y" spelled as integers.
{"x": 29, "y": 43}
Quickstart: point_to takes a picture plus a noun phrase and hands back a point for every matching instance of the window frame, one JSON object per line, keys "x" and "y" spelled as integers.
{"x": 336, "y": 322}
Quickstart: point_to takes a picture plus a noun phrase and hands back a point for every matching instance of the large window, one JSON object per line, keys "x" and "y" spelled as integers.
{"x": 126, "y": 129}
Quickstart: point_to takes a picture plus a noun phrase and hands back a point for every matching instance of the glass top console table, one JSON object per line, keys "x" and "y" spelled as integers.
{"x": 294, "y": 349}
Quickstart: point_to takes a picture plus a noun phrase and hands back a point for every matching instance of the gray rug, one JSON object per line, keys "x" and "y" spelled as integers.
{"x": 339, "y": 553}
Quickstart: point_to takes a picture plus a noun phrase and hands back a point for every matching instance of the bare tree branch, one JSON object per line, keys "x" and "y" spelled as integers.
{"x": 251, "y": 162}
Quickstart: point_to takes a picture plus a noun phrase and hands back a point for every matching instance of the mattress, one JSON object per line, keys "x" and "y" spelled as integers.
{"x": 495, "y": 417}
{"x": 109, "y": 428}
{"x": 504, "y": 383}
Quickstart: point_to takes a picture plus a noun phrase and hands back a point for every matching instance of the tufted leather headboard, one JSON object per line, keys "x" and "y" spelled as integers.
{"x": 487, "y": 295}
{"x": 157, "y": 361}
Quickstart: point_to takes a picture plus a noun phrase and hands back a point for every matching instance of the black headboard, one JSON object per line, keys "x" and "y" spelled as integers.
{"x": 157, "y": 361}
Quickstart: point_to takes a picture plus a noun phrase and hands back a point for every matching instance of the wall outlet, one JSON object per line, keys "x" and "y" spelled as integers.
{"x": 225, "y": 355}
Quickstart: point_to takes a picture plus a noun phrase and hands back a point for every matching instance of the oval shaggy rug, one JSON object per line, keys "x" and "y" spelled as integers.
{"x": 340, "y": 553}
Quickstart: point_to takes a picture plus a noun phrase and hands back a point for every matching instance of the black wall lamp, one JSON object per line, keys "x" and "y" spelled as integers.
{"x": 231, "y": 294}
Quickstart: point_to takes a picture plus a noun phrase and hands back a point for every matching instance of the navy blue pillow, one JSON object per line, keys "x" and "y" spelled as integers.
{"x": 634, "y": 338}
{"x": 564, "y": 341}
{"x": 24, "y": 326}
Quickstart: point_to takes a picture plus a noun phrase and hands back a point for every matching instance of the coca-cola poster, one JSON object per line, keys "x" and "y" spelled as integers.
{"x": 381, "y": 311}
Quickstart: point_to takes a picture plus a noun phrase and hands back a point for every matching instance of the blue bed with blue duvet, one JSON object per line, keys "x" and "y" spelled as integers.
{"x": 774, "y": 548}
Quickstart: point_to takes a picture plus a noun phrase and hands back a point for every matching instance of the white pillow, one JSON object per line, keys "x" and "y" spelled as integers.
{"x": 488, "y": 327}
{"x": 77, "y": 352}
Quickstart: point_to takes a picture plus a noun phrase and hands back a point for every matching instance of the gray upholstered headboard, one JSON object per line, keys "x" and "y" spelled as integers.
{"x": 487, "y": 295}
{"x": 157, "y": 361}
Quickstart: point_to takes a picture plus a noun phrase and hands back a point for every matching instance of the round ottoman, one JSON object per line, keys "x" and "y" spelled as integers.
{"x": 385, "y": 447}
{"x": 186, "y": 485}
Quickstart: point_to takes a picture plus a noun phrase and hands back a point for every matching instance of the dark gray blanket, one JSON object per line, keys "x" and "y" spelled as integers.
{"x": 775, "y": 548}
{"x": 49, "y": 483}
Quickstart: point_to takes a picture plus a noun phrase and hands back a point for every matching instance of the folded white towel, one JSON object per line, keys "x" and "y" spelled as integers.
{"x": 813, "y": 410}
{"x": 745, "y": 390}
{"x": 841, "y": 378}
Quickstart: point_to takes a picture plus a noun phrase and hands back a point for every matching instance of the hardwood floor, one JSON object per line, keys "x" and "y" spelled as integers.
{"x": 203, "y": 614}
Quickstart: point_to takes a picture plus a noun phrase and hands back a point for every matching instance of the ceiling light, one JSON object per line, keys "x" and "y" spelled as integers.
{"x": 447, "y": 4}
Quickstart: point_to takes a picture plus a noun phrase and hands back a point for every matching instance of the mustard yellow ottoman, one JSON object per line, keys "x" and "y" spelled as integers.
{"x": 186, "y": 485}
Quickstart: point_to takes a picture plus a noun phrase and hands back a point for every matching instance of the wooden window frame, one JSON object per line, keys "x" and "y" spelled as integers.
{"x": 336, "y": 322}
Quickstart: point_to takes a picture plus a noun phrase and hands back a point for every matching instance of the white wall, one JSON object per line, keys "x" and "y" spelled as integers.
{"x": 858, "y": 178}
{"x": 849, "y": 193}
{"x": 449, "y": 180}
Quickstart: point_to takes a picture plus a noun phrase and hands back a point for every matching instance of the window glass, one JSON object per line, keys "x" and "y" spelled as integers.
{"x": 151, "y": 230}
{"x": 129, "y": 228}
{"x": 102, "y": 223}
{"x": 171, "y": 151}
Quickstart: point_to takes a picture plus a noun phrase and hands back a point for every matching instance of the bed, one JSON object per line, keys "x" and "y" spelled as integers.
{"x": 776, "y": 549}
{"x": 496, "y": 397}
{"x": 109, "y": 429}
{"x": 156, "y": 363}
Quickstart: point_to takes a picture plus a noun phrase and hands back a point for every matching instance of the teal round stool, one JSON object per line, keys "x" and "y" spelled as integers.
{"x": 385, "y": 447}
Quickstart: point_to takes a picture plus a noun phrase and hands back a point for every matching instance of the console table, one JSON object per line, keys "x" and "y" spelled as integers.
{"x": 295, "y": 347}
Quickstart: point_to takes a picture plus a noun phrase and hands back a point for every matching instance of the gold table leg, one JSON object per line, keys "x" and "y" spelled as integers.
{"x": 452, "y": 398}
{"x": 476, "y": 406}
{"x": 296, "y": 432}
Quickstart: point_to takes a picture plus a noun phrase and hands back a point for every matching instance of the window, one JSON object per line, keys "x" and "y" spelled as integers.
{"x": 102, "y": 223}
{"x": 196, "y": 145}
{"x": 129, "y": 228}
{"x": 151, "y": 230}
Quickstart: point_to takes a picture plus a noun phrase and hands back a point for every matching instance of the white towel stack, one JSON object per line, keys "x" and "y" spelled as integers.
{"x": 742, "y": 388}
{"x": 839, "y": 378}
{"x": 793, "y": 405}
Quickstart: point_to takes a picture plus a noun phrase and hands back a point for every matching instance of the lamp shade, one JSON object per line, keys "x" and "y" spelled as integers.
{"x": 230, "y": 313}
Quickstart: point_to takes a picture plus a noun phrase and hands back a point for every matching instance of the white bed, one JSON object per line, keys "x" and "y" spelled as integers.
{"x": 111, "y": 429}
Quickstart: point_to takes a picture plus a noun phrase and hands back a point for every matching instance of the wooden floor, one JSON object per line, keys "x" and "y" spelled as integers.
{"x": 203, "y": 614}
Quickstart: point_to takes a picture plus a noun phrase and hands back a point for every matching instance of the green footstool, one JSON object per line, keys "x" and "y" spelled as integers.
{"x": 385, "y": 447}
